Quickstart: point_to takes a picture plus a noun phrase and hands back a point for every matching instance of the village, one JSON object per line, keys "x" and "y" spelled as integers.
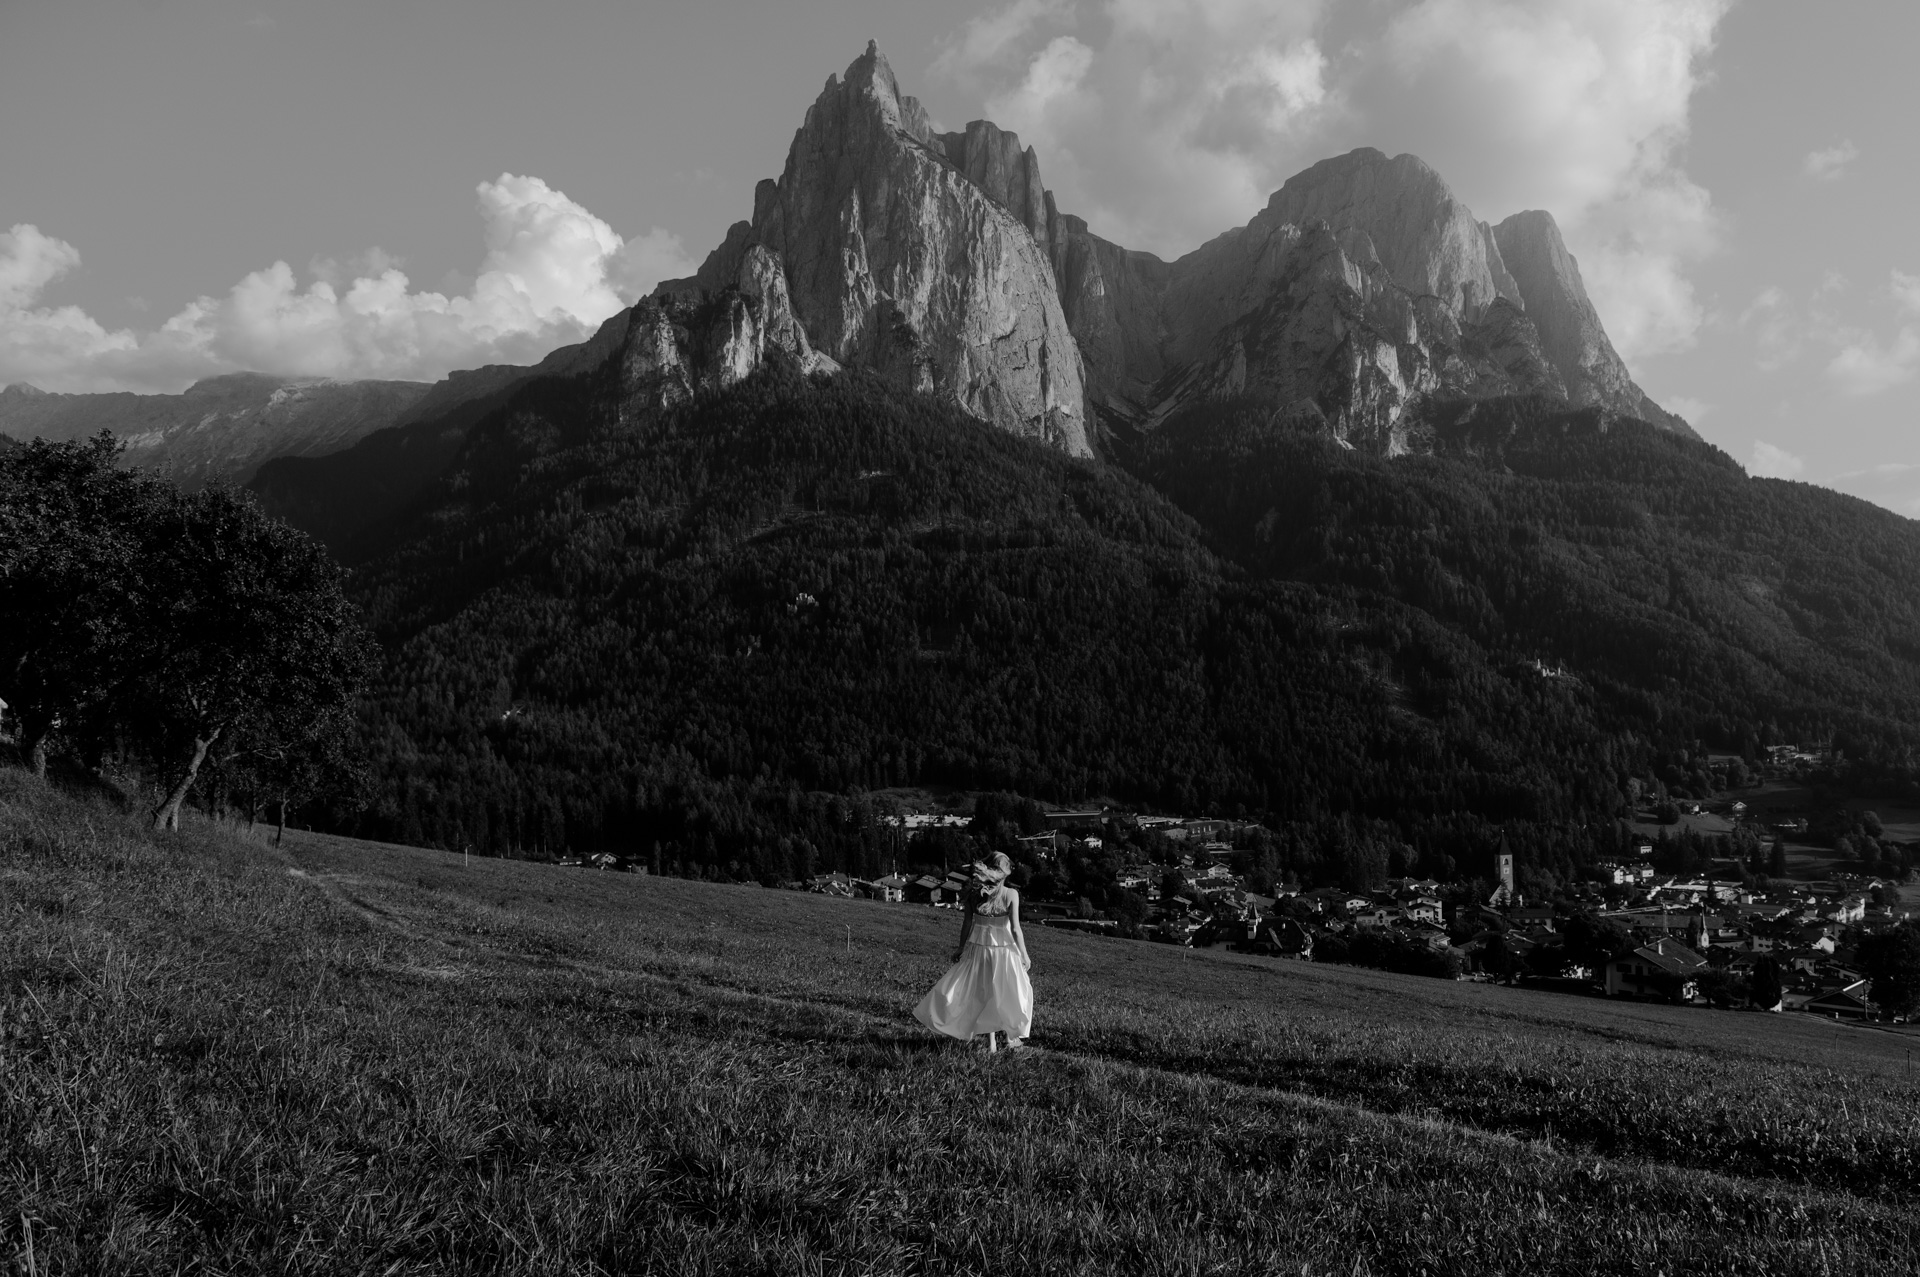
{"x": 1630, "y": 932}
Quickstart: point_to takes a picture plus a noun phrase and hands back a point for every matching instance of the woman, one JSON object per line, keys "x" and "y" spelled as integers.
{"x": 986, "y": 990}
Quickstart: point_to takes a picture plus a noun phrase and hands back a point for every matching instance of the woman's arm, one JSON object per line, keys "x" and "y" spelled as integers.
{"x": 966, "y": 929}
{"x": 1019, "y": 935}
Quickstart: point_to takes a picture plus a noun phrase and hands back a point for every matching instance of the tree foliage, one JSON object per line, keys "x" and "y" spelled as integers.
{"x": 179, "y": 624}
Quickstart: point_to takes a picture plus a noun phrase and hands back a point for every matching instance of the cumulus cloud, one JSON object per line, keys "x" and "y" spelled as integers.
{"x": 1161, "y": 121}
{"x": 1865, "y": 364}
{"x": 1770, "y": 462}
{"x": 1827, "y": 165}
{"x": 1165, "y": 122}
{"x": 551, "y": 273}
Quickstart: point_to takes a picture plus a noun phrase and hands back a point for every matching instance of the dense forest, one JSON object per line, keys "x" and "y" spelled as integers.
{"x": 702, "y": 640}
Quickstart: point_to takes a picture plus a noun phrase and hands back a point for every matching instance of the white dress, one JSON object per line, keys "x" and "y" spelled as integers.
{"x": 987, "y": 989}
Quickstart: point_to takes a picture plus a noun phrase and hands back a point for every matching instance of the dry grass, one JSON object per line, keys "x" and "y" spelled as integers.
{"x": 221, "y": 1058}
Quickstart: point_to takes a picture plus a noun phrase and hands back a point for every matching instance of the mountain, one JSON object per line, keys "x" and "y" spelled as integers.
{"x": 674, "y": 627}
{"x": 1362, "y": 291}
{"x": 1571, "y": 337}
{"x": 221, "y": 427}
{"x": 1360, "y": 298}
{"x": 340, "y": 495}
{"x": 897, "y": 260}
{"x": 691, "y": 625}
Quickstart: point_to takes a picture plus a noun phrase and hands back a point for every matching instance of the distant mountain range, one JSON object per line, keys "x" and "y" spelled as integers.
{"x": 219, "y": 428}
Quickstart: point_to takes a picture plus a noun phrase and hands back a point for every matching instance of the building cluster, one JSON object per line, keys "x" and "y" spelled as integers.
{"x": 1692, "y": 940}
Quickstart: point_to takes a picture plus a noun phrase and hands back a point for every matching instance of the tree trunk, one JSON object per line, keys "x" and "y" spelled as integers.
{"x": 167, "y": 814}
{"x": 34, "y": 732}
{"x": 281, "y": 832}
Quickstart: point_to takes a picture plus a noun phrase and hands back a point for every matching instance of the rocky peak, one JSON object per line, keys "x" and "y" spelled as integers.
{"x": 940, "y": 262}
{"x": 992, "y": 160}
{"x": 1575, "y": 343}
{"x": 1428, "y": 241}
{"x": 915, "y": 256}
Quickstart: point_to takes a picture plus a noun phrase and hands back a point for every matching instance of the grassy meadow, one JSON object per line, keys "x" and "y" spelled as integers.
{"x": 219, "y": 1056}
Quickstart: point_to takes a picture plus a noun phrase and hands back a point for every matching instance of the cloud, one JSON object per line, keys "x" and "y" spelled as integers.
{"x": 1694, "y": 410}
{"x": 1163, "y": 122}
{"x": 1906, "y": 292}
{"x": 1828, "y": 165}
{"x": 1769, "y": 462}
{"x": 1166, "y": 122}
{"x": 551, "y": 273}
{"x": 1865, "y": 365}
{"x": 1776, "y": 330}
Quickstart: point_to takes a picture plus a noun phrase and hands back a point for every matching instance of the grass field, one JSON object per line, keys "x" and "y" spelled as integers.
{"x": 217, "y": 1056}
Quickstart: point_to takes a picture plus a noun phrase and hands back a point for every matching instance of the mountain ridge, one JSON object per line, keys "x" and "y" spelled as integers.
{"x": 1362, "y": 288}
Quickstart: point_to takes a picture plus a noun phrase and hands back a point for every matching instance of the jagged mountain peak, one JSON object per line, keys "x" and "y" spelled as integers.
{"x": 891, "y": 258}
{"x": 941, "y": 262}
{"x": 1425, "y": 237}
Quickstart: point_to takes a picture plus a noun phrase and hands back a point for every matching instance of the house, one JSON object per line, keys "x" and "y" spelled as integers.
{"x": 924, "y": 890}
{"x": 1665, "y": 968}
{"x": 1327, "y": 900}
{"x": 1848, "y": 1002}
{"x": 1287, "y": 938}
{"x": 604, "y": 860}
{"x": 1531, "y": 916}
{"x": 834, "y": 884}
{"x": 1424, "y": 909}
{"x": 1819, "y": 936}
{"x": 892, "y": 889}
{"x": 1844, "y": 911}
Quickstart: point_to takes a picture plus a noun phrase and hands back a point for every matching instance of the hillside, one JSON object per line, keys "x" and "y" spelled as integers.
{"x": 686, "y": 635}
{"x": 341, "y": 1057}
{"x": 681, "y": 637}
{"x": 220, "y": 428}
{"x": 1697, "y": 602}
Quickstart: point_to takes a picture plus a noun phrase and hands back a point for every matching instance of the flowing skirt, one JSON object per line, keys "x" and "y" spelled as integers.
{"x": 986, "y": 990}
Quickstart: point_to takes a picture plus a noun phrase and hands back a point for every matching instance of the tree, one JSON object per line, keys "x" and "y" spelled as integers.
{"x": 1891, "y": 961}
{"x": 1765, "y": 988}
{"x": 72, "y": 528}
{"x": 248, "y": 630}
{"x": 1592, "y": 941}
{"x": 1777, "y": 859}
{"x": 282, "y": 760}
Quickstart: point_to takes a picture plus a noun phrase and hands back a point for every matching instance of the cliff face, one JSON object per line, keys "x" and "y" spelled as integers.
{"x": 896, "y": 258}
{"x": 1360, "y": 289}
{"x": 1363, "y": 289}
{"x": 1549, "y": 282}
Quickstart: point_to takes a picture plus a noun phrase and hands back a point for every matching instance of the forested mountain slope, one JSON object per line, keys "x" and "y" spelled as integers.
{"x": 1696, "y": 600}
{"x": 693, "y": 630}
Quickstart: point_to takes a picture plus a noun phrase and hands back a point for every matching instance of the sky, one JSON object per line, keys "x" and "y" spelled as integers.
{"x": 397, "y": 188}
